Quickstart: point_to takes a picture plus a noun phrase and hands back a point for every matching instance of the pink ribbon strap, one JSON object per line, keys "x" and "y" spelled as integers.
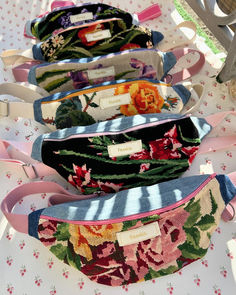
{"x": 216, "y": 143}
{"x": 211, "y": 144}
{"x": 17, "y": 154}
{"x": 215, "y": 119}
{"x": 58, "y": 4}
{"x": 187, "y": 72}
{"x": 20, "y": 221}
{"x": 21, "y": 72}
{"x": 149, "y": 13}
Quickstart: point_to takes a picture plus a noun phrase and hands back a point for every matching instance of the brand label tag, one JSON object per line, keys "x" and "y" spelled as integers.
{"x": 124, "y": 149}
{"x": 81, "y": 17}
{"x": 116, "y": 100}
{"x": 99, "y": 35}
{"x": 100, "y": 73}
{"x": 139, "y": 234}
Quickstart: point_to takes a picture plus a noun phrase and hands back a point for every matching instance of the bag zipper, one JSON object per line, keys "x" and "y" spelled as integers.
{"x": 104, "y": 87}
{"x": 140, "y": 126}
{"x": 138, "y": 215}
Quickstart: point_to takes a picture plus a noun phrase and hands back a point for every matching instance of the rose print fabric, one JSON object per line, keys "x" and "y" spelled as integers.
{"x": 129, "y": 64}
{"x": 76, "y": 42}
{"x": 60, "y": 19}
{"x": 84, "y": 160}
{"x": 42, "y": 272}
{"x": 87, "y": 106}
{"x": 94, "y": 249}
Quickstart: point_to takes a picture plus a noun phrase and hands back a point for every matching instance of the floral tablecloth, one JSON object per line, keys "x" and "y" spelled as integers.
{"x": 26, "y": 266}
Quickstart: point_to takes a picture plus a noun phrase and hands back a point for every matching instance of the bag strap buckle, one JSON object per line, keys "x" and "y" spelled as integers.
{"x": 30, "y": 171}
{"x": 4, "y": 108}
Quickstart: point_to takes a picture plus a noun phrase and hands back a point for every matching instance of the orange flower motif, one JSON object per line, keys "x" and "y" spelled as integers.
{"x": 145, "y": 99}
{"x": 91, "y": 29}
{"x": 82, "y": 236}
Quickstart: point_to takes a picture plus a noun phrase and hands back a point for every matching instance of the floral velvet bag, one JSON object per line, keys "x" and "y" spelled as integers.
{"x": 131, "y": 236}
{"x": 122, "y": 153}
{"x": 102, "y": 102}
{"x": 65, "y": 14}
{"x": 93, "y": 39}
{"x": 79, "y": 73}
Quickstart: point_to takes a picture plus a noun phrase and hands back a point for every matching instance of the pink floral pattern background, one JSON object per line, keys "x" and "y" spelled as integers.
{"x": 27, "y": 267}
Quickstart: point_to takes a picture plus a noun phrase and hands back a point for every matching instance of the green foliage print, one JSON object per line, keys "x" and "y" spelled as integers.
{"x": 131, "y": 223}
{"x": 194, "y": 225}
{"x": 62, "y": 233}
{"x": 155, "y": 274}
{"x": 70, "y": 113}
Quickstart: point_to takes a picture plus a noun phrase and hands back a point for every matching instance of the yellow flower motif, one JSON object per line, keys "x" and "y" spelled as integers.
{"x": 82, "y": 236}
{"x": 51, "y": 53}
{"x": 145, "y": 99}
{"x": 80, "y": 244}
{"x": 57, "y": 41}
{"x": 45, "y": 45}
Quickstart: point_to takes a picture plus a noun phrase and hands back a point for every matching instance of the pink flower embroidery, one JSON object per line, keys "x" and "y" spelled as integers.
{"x": 167, "y": 147}
{"x": 191, "y": 152}
{"x": 109, "y": 187}
{"x": 46, "y": 231}
{"x": 151, "y": 252}
{"x": 144, "y": 154}
{"x": 108, "y": 271}
{"x": 82, "y": 179}
{"x": 144, "y": 167}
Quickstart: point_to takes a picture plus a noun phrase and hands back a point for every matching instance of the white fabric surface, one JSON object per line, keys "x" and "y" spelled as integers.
{"x": 27, "y": 267}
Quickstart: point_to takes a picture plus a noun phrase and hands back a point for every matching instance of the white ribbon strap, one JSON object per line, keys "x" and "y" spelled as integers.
{"x": 16, "y": 57}
{"x": 24, "y": 91}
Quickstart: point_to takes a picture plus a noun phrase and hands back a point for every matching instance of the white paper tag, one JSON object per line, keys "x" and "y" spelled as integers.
{"x": 81, "y": 17}
{"x": 99, "y": 35}
{"x": 100, "y": 73}
{"x": 124, "y": 149}
{"x": 116, "y": 100}
{"x": 139, "y": 234}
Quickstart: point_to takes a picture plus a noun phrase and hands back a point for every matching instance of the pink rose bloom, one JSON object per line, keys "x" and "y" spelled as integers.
{"x": 190, "y": 151}
{"x": 143, "y": 155}
{"x": 162, "y": 251}
{"x": 46, "y": 231}
{"x": 107, "y": 271}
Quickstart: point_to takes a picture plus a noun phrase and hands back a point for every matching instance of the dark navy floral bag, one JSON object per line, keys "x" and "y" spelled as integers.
{"x": 93, "y": 39}
{"x": 98, "y": 38}
{"x": 65, "y": 14}
{"x": 122, "y": 153}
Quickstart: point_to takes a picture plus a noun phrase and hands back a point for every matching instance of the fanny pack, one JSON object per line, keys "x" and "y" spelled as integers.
{"x": 94, "y": 39}
{"x": 130, "y": 64}
{"x": 131, "y": 236}
{"x": 101, "y": 102}
{"x": 16, "y": 155}
{"x": 65, "y": 14}
{"x": 125, "y": 152}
